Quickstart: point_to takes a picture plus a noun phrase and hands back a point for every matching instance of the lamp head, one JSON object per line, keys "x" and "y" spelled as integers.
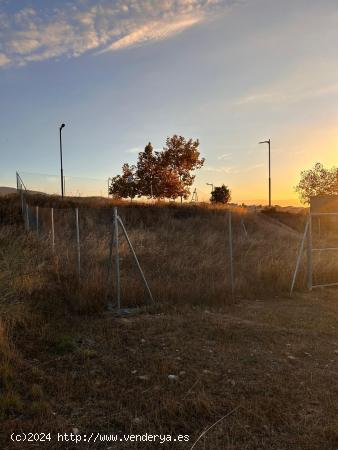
{"x": 264, "y": 142}
{"x": 62, "y": 126}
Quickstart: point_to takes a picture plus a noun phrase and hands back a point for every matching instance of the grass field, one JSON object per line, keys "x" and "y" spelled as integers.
{"x": 265, "y": 364}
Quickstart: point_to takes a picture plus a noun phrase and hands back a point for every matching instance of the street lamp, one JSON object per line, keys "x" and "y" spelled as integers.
{"x": 212, "y": 189}
{"x": 212, "y": 186}
{"x": 269, "y": 143}
{"x": 60, "y": 129}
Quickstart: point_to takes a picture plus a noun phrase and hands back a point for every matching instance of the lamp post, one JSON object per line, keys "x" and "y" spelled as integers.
{"x": 62, "y": 179}
{"x": 269, "y": 143}
{"x": 212, "y": 187}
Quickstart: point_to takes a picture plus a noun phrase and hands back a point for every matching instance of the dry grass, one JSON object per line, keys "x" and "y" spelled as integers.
{"x": 65, "y": 362}
{"x": 184, "y": 251}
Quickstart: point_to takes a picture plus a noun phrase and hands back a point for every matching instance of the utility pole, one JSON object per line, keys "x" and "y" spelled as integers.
{"x": 62, "y": 178}
{"x": 269, "y": 143}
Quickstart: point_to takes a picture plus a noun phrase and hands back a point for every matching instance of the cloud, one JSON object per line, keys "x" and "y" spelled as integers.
{"x": 287, "y": 94}
{"x": 4, "y": 60}
{"x": 153, "y": 31}
{"x": 253, "y": 167}
{"x": 232, "y": 170}
{"x": 225, "y": 156}
{"x": 222, "y": 169}
{"x": 31, "y": 34}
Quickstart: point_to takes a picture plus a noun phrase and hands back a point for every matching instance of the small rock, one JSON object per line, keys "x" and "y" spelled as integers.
{"x": 75, "y": 430}
{"x": 143, "y": 377}
{"x": 172, "y": 377}
{"x": 143, "y": 341}
{"x": 182, "y": 372}
{"x": 137, "y": 420}
{"x": 133, "y": 372}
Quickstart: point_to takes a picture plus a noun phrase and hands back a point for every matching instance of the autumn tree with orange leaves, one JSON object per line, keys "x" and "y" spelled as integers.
{"x": 160, "y": 174}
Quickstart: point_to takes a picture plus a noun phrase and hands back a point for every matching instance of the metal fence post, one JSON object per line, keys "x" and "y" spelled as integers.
{"x": 53, "y": 235}
{"x": 22, "y": 202}
{"x": 136, "y": 259}
{"x": 299, "y": 257}
{"x": 309, "y": 254}
{"x": 27, "y": 217}
{"x": 231, "y": 254}
{"x": 37, "y": 220}
{"x": 244, "y": 227}
{"x": 78, "y": 242}
{"x": 117, "y": 260}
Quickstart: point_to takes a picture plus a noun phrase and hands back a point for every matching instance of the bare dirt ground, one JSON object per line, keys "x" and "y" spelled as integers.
{"x": 271, "y": 365}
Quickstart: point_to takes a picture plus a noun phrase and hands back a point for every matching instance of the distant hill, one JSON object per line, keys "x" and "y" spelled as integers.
{"x": 4, "y": 190}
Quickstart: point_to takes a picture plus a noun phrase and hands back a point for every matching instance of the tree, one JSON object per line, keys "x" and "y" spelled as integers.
{"x": 147, "y": 171}
{"x": 160, "y": 174}
{"x": 221, "y": 194}
{"x": 125, "y": 185}
{"x": 180, "y": 157}
{"x": 317, "y": 181}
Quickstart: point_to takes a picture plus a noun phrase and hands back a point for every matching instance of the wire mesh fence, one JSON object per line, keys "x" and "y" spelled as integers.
{"x": 193, "y": 254}
{"x": 168, "y": 249}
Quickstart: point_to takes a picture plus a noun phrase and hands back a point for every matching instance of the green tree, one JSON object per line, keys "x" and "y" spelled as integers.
{"x": 317, "y": 181}
{"x": 147, "y": 171}
{"x": 125, "y": 185}
{"x": 221, "y": 194}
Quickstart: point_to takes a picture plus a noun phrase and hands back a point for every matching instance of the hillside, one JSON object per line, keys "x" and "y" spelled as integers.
{"x": 7, "y": 190}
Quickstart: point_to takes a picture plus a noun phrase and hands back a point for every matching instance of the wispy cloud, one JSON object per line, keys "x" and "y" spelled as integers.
{"x": 4, "y": 60}
{"x": 287, "y": 94}
{"x": 153, "y": 31}
{"x": 253, "y": 167}
{"x": 32, "y": 34}
{"x": 224, "y": 156}
{"x": 221, "y": 169}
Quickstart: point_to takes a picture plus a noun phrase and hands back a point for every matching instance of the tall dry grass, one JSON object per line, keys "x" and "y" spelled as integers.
{"x": 184, "y": 252}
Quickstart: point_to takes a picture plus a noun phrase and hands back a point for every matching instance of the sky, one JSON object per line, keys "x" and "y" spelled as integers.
{"x": 122, "y": 73}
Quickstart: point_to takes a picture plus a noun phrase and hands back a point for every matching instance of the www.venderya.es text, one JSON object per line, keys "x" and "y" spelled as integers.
{"x": 98, "y": 437}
